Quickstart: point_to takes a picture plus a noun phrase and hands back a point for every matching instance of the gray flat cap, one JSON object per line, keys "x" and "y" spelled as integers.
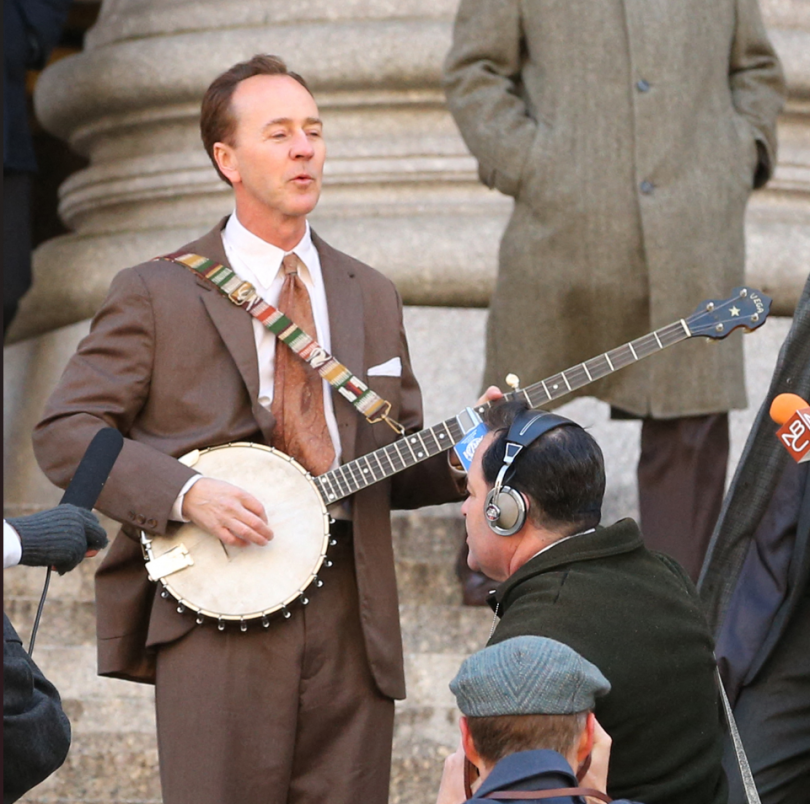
{"x": 527, "y": 675}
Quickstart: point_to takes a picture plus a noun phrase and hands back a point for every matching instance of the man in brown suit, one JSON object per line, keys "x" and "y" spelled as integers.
{"x": 630, "y": 135}
{"x": 302, "y": 710}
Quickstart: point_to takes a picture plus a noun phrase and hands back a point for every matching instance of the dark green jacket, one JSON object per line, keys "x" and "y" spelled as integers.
{"x": 637, "y": 617}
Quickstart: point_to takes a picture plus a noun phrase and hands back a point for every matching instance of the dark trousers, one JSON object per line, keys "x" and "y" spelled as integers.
{"x": 681, "y": 483}
{"x": 773, "y": 716}
{"x": 285, "y": 714}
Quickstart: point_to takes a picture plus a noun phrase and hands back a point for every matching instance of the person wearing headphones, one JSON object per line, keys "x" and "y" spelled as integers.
{"x": 533, "y": 523}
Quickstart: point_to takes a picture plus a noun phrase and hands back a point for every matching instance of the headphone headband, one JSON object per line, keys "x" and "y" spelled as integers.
{"x": 505, "y": 508}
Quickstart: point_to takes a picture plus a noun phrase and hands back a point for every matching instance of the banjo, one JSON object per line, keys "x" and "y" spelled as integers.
{"x": 241, "y": 584}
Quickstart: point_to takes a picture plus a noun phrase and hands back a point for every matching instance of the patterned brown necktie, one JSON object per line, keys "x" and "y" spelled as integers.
{"x": 300, "y": 430}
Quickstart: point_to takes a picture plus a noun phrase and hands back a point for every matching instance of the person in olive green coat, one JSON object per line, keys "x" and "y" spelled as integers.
{"x": 630, "y": 135}
{"x": 630, "y": 611}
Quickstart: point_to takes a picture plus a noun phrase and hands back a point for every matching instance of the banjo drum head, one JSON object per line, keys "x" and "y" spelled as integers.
{"x": 235, "y": 583}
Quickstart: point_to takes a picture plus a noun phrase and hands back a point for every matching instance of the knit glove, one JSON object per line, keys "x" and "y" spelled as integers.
{"x": 59, "y": 537}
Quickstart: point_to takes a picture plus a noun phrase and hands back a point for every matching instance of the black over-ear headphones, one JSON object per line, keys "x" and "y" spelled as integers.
{"x": 505, "y": 508}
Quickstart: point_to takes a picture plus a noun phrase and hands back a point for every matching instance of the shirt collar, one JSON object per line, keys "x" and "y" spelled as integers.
{"x": 264, "y": 259}
{"x": 564, "y": 539}
{"x": 544, "y": 768}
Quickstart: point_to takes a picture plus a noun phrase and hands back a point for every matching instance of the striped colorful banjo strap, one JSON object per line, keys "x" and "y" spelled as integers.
{"x": 243, "y": 294}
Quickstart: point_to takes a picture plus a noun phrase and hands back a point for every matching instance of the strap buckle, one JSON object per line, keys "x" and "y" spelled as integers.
{"x": 384, "y": 417}
{"x": 242, "y": 294}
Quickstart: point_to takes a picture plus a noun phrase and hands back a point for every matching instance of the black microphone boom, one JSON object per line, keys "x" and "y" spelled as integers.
{"x": 83, "y": 490}
{"x": 94, "y": 469}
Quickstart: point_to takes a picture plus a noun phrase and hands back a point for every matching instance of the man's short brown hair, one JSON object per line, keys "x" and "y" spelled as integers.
{"x": 498, "y": 736}
{"x": 217, "y": 123}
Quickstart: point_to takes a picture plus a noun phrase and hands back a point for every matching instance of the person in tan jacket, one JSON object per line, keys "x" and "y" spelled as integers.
{"x": 303, "y": 709}
{"x": 630, "y": 135}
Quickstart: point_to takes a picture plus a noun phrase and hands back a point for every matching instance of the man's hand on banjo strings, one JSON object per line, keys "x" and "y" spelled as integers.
{"x": 227, "y": 512}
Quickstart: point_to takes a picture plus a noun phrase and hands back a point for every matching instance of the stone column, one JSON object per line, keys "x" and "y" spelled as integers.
{"x": 400, "y": 189}
{"x": 397, "y": 167}
{"x": 778, "y": 219}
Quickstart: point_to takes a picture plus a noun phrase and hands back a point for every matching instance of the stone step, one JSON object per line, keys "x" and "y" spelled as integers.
{"x": 125, "y": 771}
{"x": 453, "y": 629}
{"x": 113, "y": 757}
{"x": 104, "y": 768}
{"x": 63, "y": 622}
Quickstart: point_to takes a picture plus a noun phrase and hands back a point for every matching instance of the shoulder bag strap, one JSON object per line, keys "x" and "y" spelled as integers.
{"x": 751, "y": 794}
{"x": 536, "y": 795}
{"x": 243, "y": 294}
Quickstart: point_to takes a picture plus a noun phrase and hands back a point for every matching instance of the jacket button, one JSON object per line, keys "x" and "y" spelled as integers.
{"x": 643, "y": 86}
{"x": 131, "y": 515}
{"x": 140, "y": 519}
{"x": 647, "y": 187}
{"x": 151, "y": 523}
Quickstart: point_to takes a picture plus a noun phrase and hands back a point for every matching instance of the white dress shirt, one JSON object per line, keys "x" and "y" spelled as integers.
{"x": 12, "y": 549}
{"x": 256, "y": 261}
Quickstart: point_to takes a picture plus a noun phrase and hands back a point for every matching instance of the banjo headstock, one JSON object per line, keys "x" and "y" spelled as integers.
{"x": 717, "y": 318}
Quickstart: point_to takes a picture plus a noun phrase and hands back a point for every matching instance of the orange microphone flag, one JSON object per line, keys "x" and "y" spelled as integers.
{"x": 793, "y": 414}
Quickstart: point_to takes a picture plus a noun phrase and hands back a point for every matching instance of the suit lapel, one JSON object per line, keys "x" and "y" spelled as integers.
{"x": 346, "y": 318}
{"x": 234, "y": 325}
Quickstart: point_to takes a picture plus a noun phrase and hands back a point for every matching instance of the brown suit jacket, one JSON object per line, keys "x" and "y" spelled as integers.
{"x": 172, "y": 364}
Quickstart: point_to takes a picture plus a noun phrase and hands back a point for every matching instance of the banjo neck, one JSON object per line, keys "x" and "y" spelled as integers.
{"x": 713, "y": 319}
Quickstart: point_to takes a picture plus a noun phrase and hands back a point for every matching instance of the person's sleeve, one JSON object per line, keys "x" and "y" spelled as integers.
{"x": 431, "y": 482}
{"x": 44, "y": 20}
{"x": 12, "y": 549}
{"x": 106, "y": 384}
{"x": 481, "y": 80}
{"x": 36, "y": 731}
{"x": 757, "y": 85}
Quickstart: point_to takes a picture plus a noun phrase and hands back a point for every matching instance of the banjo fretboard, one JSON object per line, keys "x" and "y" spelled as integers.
{"x": 412, "y": 449}
{"x": 714, "y": 318}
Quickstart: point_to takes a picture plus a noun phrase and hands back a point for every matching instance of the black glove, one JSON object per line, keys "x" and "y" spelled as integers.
{"x": 59, "y": 537}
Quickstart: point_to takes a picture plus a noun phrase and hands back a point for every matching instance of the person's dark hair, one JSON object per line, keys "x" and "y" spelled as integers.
{"x": 217, "y": 123}
{"x": 497, "y": 737}
{"x": 563, "y": 472}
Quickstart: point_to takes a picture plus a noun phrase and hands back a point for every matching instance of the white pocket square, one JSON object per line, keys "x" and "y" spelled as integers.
{"x": 391, "y": 368}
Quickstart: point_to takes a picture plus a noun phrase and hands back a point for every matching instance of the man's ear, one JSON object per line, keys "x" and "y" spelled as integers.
{"x": 226, "y": 161}
{"x": 468, "y": 744}
{"x": 585, "y": 745}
